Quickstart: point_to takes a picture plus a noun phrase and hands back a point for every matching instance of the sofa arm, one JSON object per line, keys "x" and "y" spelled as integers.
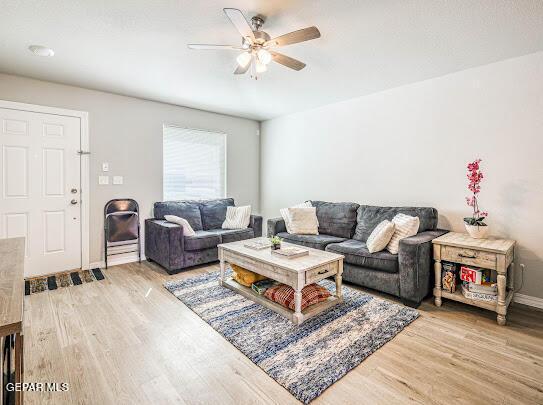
{"x": 276, "y": 225}
{"x": 415, "y": 261}
{"x": 256, "y": 224}
{"x": 164, "y": 243}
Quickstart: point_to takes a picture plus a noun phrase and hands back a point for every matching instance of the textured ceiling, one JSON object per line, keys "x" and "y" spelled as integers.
{"x": 138, "y": 47}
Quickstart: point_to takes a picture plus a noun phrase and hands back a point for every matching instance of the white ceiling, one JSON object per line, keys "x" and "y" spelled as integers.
{"x": 138, "y": 47}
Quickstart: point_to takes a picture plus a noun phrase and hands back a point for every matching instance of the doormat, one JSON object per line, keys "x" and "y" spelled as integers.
{"x": 39, "y": 284}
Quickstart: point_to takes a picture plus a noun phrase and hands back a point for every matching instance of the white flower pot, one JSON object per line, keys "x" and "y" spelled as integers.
{"x": 477, "y": 232}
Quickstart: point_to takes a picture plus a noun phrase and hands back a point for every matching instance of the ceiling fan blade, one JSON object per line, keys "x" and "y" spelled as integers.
{"x": 215, "y": 47}
{"x": 294, "y": 37}
{"x": 238, "y": 19}
{"x": 241, "y": 70}
{"x": 287, "y": 61}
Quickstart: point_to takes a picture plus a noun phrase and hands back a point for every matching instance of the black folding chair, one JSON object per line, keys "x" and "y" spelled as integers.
{"x": 122, "y": 226}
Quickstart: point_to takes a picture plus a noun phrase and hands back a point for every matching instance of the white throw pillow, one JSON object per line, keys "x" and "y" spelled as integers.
{"x": 187, "y": 229}
{"x": 380, "y": 236}
{"x": 286, "y": 216}
{"x": 237, "y": 217}
{"x": 406, "y": 226}
{"x": 303, "y": 221}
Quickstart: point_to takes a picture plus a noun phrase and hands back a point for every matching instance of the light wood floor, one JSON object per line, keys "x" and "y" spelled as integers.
{"x": 126, "y": 340}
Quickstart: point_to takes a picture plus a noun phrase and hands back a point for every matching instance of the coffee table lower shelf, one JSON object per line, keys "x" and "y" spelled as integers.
{"x": 281, "y": 310}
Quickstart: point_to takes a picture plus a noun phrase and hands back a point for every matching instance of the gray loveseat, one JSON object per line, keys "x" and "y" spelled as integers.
{"x": 166, "y": 245}
{"x": 345, "y": 227}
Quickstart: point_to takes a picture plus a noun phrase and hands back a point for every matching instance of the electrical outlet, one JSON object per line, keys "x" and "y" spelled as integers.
{"x": 103, "y": 180}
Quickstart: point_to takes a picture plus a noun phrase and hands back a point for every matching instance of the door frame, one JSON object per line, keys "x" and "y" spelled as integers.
{"x": 85, "y": 165}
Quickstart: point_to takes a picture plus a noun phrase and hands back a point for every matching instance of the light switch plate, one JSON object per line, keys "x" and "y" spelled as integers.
{"x": 117, "y": 179}
{"x": 105, "y": 167}
{"x": 103, "y": 180}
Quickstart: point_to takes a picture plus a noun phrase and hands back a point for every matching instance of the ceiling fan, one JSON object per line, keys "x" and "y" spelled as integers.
{"x": 256, "y": 45}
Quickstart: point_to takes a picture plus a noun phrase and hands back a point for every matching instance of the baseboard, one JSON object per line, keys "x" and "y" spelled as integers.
{"x": 114, "y": 261}
{"x": 529, "y": 300}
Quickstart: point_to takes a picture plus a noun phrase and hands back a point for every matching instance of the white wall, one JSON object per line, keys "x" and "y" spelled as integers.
{"x": 410, "y": 146}
{"x": 127, "y": 133}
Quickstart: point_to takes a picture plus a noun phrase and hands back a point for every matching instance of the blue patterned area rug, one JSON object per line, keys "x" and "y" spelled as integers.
{"x": 304, "y": 359}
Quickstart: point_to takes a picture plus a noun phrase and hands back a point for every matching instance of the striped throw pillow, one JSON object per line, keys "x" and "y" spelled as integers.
{"x": 380, "y": 236}
{"x": 284, "y": 295}
{"x": 237, "y": 217}
{"x": 286, "y": 215}
{"x": 405, "y": 226}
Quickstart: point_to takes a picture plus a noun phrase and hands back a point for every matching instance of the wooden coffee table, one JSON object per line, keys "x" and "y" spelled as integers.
{"x": 297, "y": 273}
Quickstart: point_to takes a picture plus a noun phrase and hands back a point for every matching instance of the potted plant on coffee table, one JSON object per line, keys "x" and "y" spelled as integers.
{"x": 475, "y": 224}
{"x": 275, "y": 242}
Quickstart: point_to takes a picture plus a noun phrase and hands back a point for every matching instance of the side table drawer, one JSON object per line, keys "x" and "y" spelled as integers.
{"x": 470, "y": 257}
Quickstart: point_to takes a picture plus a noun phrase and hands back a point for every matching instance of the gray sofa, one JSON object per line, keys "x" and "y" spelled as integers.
{"x": 166, "y": 245}
{"x": 345, "y": 227}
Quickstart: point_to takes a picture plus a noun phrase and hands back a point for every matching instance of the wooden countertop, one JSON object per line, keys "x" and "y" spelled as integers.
{"x": 12, "y": 256}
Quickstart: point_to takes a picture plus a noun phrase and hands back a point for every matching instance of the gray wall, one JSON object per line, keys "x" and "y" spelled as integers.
{"x": 127, "y": 133}
{"x": 410, "y": 146}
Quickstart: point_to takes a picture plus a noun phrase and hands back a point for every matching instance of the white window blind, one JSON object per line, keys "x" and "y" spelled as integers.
{"x": 194, "y": 164}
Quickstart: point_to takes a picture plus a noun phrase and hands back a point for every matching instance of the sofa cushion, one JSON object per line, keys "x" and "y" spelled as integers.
{"x": 336, "y": 219}
{"x": 233, "y": 235}
{"x": 313, "y": 241}
{"x": 190, "y": 210}
{"x": 369, "y": 217}
{"x": 202, "y": 240}
{"x": 214, "y": 212}
{"x": 357, "y": 253}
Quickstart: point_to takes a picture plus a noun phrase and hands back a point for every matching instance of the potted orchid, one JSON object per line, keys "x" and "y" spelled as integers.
{"x": 475, "y": 224}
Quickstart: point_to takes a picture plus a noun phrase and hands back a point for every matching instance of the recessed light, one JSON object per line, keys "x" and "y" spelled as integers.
{"x": 41, "y": 50}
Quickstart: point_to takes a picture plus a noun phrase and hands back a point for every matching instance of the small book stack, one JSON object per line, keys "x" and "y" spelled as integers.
{"x": 290, "y": 252}
{"x": 476, "y": 284}
{"x": 260, "y": 287}
{"x": 258, "y": 244}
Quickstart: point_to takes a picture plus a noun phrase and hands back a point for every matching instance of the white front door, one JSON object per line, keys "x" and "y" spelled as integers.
{"x": 40, "y": 188}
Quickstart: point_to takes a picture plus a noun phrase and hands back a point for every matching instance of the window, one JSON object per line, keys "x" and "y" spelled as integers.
{"x": 194, "y": 164}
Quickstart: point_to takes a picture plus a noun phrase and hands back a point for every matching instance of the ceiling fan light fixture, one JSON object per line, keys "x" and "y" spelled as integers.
{"x": 260, "y": 67}
{"x": 257, "y": 47}
{"x": 244, "y": 59}
{"x": 264, "y": 56}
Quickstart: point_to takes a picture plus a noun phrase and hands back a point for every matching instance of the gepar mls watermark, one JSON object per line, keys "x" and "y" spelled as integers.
{"x": 38, "y": 386}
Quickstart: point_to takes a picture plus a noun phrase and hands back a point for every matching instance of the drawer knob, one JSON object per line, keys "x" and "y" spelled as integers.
{"x": 323, "y": 272}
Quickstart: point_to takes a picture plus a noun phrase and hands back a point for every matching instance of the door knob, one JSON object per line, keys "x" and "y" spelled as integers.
{"x": 73, "y": 202}
{"x": 73, "y": 191}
